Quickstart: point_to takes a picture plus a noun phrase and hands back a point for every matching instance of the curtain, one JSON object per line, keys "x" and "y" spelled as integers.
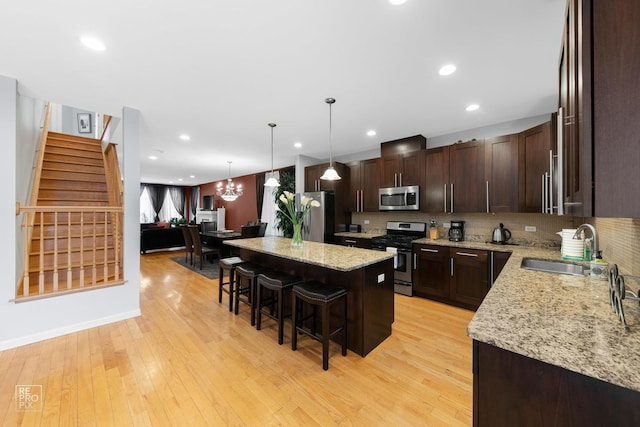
{"x": 142, "y": 187}
{"x": 178, "y": 199}
{"x": 156, "y": 194}
{"x": 269, "y": 207}
{"x": 260, "y": 180}
{"x": 195, "y": 198}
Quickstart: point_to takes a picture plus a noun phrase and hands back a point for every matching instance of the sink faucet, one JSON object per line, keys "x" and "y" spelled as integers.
{"x": 595, "y": 253}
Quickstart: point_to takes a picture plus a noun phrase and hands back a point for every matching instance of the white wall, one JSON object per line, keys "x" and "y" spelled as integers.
{"x": 33, "y": 321}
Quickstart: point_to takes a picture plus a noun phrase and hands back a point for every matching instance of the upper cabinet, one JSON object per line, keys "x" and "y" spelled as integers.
{"x": 340, "y": 188}
{"x": 536, "y": 160}
{"x": 402, "y": 162}
{"x": 599, "y": 115}
{"x": 501, "y": 173}
{"x": 436, "y": 180}
{"x": 466, "y": 177}
{"x": 365, "y": 182}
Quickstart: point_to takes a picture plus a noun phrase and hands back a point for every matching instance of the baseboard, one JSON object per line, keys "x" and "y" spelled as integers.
{"x": 52, "y": 333}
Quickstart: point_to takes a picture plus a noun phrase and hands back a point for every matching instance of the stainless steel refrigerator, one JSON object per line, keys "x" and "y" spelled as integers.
{"x": 320, "y": 224}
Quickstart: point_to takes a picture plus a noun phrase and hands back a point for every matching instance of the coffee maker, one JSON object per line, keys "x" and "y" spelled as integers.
{"x": 456, "y": 232}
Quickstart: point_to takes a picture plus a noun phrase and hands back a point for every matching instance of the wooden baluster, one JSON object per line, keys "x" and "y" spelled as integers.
{"x": 25, "y": 280}
{"x": 69, "y": 275}
{"x": 116, "y": 243}
{"x": 94, "y": 271}
{"x": 41, "y": 275}
{"x": 55, "y": 251}
{"x": 82, "y": 249}
{"x": 106, "y": 258}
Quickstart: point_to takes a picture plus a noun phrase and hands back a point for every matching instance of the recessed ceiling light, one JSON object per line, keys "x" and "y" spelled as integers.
{"x": 371, "y": 132}
{"x": 397, "y": 2}
{"x": 472, "y": 107}
{"x": 170, "y": 182}
{"x": 153, "y": 157}
{"x": 185, "y": 137}
{"x": 297, "y": 145}
{"x": 93, "y": 43}
{"x": 192, "y": 176}
{"x": 180, "y": 179}
{"x": 447, "y": 70}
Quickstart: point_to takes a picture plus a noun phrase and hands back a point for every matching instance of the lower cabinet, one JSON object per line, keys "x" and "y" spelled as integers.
{"x": 356, "y": 242}
{"x": 455, "y": 276}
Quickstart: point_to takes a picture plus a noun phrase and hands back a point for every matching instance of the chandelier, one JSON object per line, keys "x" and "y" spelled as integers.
{"x": 231, "y": 192}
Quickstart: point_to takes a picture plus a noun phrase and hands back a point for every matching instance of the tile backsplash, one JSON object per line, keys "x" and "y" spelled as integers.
{"x": 619, "y": 238}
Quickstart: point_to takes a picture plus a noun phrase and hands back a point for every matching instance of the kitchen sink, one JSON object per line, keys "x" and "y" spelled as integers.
{"x": 550, "y": 266}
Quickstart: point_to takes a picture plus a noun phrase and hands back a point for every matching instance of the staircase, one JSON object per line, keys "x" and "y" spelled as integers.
{"x": 74, "y": 230}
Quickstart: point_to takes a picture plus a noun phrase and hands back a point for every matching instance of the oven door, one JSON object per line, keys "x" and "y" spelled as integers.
{"x": 403, "y": 268}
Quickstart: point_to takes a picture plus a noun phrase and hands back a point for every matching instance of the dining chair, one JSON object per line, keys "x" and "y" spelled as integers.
{"x": 188, "y": 244}
{"x": 262, "y": 229}
{"x": 249, "y": 230}
{"x": 199, "y": 249}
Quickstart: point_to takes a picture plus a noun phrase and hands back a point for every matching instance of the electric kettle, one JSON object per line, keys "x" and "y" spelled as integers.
{"x": 501, "y": 234}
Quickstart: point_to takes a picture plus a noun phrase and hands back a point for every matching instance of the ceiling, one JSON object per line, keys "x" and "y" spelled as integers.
{"x": 220, "y": 71}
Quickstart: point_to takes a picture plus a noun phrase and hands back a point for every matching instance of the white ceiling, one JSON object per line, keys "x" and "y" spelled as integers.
{"x": 220, "y": 71}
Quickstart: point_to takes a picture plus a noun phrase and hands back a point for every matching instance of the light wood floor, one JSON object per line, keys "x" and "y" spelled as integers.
{"x": 187, "y": 361}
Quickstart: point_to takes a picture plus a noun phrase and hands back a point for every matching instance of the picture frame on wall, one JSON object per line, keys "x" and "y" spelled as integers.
{"x": 84, "y": 123}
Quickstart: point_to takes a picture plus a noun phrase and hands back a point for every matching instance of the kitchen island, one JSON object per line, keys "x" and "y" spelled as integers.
{"x": 366, "y": 275}
{"x": 548, "y": 350}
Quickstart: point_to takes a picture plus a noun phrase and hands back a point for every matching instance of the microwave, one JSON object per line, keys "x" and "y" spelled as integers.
{"x": 399, "y": 198}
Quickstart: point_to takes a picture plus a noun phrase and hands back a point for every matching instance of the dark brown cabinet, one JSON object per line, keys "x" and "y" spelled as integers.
{"x": 355, "y": 242}
{"x": 466, "y": 177}
{"x": 436, "y": 180}
{"x": 340, "y": 188}
{"x": 365, "y": 182}
{"x": 403, "y": 169}
{"x": 501, "y": 173}
{"x": 498, "y": 261}
{"x": 535, "y": 169}
{"x": 432, "y": 273}
{"x": 455, "y": 276}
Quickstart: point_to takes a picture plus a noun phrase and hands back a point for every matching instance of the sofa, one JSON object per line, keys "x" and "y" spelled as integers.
{"x": 160, "y": 236}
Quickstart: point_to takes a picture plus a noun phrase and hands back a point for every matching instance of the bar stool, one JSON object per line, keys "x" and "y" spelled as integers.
{"x": 246, "y": 275}
{"x": 324, "y": 296}
{"x": 229, "y": 265}
{"x": 277, "y": 282}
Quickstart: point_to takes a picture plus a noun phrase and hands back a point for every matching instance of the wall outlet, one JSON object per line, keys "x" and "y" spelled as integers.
{"x": 366, "y": 222}
{"x": 380, "y": 278}
{"x": 446, "y": 224}
{"x": 531, "y": 228}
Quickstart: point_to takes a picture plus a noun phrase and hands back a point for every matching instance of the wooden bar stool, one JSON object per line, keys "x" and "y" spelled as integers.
{"x": 229, "y": 265}
{"x": 246, "y": 275}
{"x": 278, "y": 283}
{"x": 324, "y": 296}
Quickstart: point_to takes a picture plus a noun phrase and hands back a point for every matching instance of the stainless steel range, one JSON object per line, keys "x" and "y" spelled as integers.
{"x": 398, "y": 241}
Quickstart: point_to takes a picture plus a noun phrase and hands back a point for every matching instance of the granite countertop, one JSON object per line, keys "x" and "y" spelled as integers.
{"x": 369, "y": 234}
{"x": 336, "y": 257}
{"x": 562, "y": 320}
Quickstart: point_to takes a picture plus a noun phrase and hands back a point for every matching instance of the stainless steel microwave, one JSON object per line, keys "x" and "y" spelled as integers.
{"x": 399, "y": 198}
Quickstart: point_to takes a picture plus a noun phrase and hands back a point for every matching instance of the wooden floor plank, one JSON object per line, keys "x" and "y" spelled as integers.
{"x": 188, "y": 361}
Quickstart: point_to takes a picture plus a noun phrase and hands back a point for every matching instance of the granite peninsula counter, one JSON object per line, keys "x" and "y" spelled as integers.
{"x": 548, "y": 348}
{"x": 366, "y": 275}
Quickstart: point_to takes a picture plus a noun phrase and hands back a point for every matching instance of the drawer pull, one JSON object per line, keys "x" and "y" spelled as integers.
{"x": 466, "y": 254}
{"x": 350, "y": 241}
{"x": 429, "y": 250}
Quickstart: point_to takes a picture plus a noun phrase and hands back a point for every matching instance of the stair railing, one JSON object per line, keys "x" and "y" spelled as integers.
{"x": 62, "y": 216}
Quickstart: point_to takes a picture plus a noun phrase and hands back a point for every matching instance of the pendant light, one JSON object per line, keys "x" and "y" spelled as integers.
{"x": 272, "y": 181}
{"x": 231, "y": 193}
{"x": 330, "y": 174}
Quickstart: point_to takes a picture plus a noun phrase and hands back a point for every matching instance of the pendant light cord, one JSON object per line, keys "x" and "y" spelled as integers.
{"x": 330, "y": 101}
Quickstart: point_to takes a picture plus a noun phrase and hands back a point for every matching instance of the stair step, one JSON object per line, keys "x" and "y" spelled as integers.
{"x": 87, "y": 231}
{"x": 75, "y": 218}
{"x": 72, "y": 167}
{"x": 71, "y": 157}
{"x": 72, "y": 176}
{"x": 63, "y": 243}
{"x": 53, "y": 150}
{"x": 75, "y": 279}
{"x": 89, "y": 197}
{"x": 56, "y": 184}
{"x": 65, "y": 140}
{"x": 48, "y": 261}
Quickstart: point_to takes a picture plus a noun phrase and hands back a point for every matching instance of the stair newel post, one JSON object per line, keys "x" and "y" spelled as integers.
{"x": 41, "y": 266}
{"x": 94, "y": 271}
{"x": 105, "y": 276}
{"x": 82, "y": 249}
{"x": 55, "y": 251}
{"x": 69, "y": 250}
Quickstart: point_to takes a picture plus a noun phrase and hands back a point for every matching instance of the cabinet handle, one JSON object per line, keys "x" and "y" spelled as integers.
{"x": 415, "y": 261}
{"x": 445, "y": 198}
{"x": 429, "y": 250}
{"x": 361, "y": 200}
{"x": 560, "y": 180}
{"x": 400, "y": 179}
{"x": 550, "y": 185}
{"x": 451, "y": 210}
{"x": 395, "y": 179}
{"x": 466, "y": 254}
{"x": 451, "y": 259}
{"x": 487, "y": 191}
{"x": 349, "y": 241}
{"x": 491, "y": 278}
{"x": 544, "y": 193}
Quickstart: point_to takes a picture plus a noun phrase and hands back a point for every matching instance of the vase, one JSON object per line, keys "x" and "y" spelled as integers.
{"x": 296, "y": 240}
